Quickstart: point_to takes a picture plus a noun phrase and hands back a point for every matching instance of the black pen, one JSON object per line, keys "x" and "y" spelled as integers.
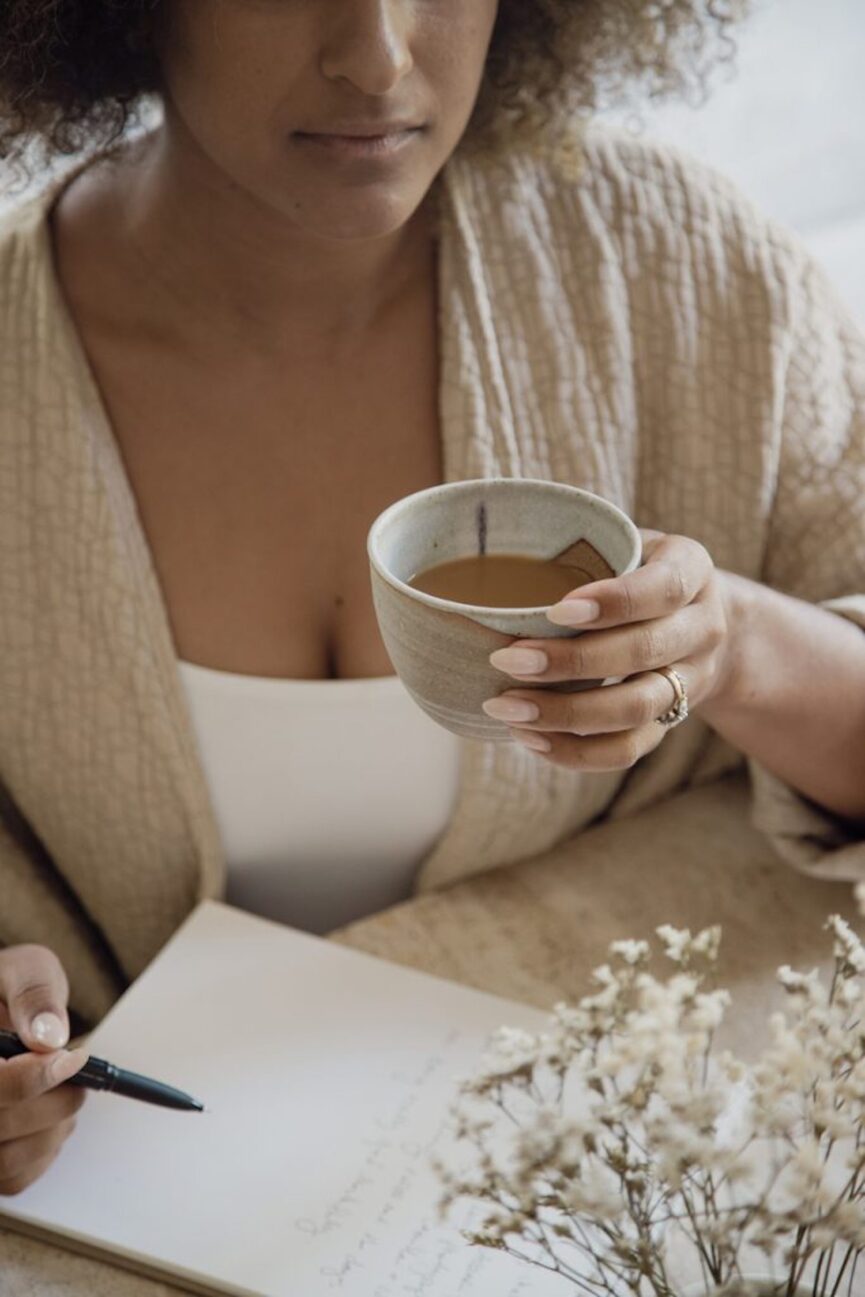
{"x": 97, "y": 1074}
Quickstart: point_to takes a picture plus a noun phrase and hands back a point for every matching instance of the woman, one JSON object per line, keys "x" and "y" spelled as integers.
{"x": 343, "y": 269}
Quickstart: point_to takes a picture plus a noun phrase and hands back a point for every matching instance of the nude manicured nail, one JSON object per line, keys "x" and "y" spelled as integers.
{"x": 528, "y": 739}
{"x": 511, "y": 709}
{"x": 66, "y": 1064}
{"x": 49, "y": 1031}
{"x": 519, "y": 661}
{"x": 574, "y": 612}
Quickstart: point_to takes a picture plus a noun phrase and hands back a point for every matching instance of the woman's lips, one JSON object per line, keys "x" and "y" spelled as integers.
{"x": 386, "y": 145}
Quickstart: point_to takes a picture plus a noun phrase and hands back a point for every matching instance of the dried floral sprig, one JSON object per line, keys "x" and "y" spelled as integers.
{"x": 616, "y": 1150}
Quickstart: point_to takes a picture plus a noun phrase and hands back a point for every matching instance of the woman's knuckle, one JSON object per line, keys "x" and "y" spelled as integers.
{"x": 574, "y": 714}
{"x": 34, "y": 994}
{"x": 648, "y": 646}
{"x": 578, "y": 660}
{"x": 627, "y": 606}
{"x": 699, "y": 552}
{"x": 40, "y": 962}
{"x": 34, "y": 990}
{"x": 716, "y": 634}
{"x": 33, "y": 979}
{"x": 573, "y": 755}
{"x": 644, "y": 709}
{"x": 677, "y": 590}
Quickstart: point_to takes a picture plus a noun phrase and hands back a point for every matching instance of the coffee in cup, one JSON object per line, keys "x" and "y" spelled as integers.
{"x": 438, "y": 644}
{"x": 498, "y": 580}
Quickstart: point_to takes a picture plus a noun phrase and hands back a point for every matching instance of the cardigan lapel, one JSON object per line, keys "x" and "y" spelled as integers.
{"x": 98, "y": 751}
{"x": 100, "y": 746}
{"x": 509, "y": 804}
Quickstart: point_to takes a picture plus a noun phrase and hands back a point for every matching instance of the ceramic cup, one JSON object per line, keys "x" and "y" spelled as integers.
{"x": 440, "y": 649}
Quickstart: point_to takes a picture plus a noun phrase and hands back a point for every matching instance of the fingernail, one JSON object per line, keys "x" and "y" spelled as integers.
{"x": 511, "y": 709}
{"x": 49, "y": 1031}
{"x": 66, "y": 1064}
{"x": 536, "y": 742}
{"x": 574, "y": 612}
{"x": 519, "y": 661}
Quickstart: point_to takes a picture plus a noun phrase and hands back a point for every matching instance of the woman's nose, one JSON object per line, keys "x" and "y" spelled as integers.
{"x": 369, "y": 44}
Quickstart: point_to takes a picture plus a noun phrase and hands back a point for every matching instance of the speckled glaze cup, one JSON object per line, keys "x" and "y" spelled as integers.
{"x": 440, "y": 649}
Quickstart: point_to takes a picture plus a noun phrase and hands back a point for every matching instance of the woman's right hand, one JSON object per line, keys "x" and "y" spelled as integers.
{"x": 36, "y": 1117}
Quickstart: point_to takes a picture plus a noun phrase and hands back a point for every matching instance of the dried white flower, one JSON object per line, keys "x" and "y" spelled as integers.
{"x": 848, "y": 947}
{"x": 708, "y": 943}
{"x": 806, "y": 985}
{"x": 616, "y": 1132}
{"x": 632, "y": 952}
{"x": 676, "y": 941}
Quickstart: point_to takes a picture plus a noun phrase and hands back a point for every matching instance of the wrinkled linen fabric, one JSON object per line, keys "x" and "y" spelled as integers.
{"x": 641, "y": 331}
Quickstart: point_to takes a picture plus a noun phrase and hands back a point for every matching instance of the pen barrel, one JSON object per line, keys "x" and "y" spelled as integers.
{"x": 11, "y": 1046}
{"x": 135, "y": 1086}
{"x": 99, "y": 1074}
{"x": 96, "y": 1074}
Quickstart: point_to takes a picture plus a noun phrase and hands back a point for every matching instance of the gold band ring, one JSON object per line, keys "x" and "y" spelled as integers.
{"x": 679, "y": 711}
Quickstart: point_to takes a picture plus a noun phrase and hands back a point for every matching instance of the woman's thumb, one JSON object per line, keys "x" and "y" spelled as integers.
{"x": 34, "y": 989}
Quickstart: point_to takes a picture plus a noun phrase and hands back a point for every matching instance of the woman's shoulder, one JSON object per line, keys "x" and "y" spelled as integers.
{"x": 23, "y": 223}
{"x": 650, "y": 182}
{"x": 35, "y": 359}
{"x": 642, "y": 203}
{"x": 25, "y": 263}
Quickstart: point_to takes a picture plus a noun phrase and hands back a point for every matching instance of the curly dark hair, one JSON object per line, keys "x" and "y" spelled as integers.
{"x": 73, "y": 73}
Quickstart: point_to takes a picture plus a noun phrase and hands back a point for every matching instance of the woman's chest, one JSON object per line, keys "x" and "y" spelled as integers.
{"x": 256, "y": 499}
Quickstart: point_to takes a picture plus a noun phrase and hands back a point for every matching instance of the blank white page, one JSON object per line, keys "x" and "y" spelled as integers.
{"x": 328, "y": 1076}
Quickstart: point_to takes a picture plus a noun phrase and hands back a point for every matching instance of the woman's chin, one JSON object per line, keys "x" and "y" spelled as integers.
{"x": 350, "y": 221}
{"x": 347, "y": 200}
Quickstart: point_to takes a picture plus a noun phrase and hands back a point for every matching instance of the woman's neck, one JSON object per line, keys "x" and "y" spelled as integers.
{"x": 214, "y": 256}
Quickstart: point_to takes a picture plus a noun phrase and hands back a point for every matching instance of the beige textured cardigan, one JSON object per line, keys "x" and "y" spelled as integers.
{"x": 642, "y": 332}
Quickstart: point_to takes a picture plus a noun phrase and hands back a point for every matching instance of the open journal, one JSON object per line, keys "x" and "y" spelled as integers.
{"x": 328, "y": 1077}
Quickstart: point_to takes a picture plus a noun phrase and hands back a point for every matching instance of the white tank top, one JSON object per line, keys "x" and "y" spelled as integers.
{"x": 327, "y": 793}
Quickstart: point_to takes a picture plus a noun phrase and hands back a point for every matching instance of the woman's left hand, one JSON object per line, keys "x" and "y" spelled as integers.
{"x": 674, "y": 611}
